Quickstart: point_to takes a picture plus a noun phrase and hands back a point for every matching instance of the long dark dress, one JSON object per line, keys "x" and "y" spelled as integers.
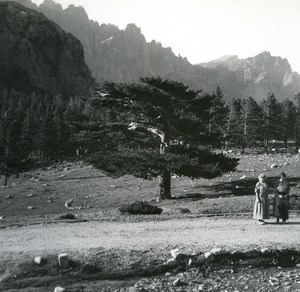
{"x": 281, "y": 200}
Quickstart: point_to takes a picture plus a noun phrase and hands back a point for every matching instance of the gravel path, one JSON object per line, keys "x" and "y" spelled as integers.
{"x": 189, "y": 234}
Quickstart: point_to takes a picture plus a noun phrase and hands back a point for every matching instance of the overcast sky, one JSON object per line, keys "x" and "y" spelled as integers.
{"x": 203, "y": 30}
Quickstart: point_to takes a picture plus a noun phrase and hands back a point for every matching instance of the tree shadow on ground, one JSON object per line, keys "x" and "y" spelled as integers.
{"x": 236, "y": 188}
{"x": 283, "y": 224}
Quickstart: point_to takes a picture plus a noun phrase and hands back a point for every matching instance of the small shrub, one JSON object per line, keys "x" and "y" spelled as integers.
{"x": 140, "y": 208}
{"x": 184, "y": 210}
{"x": 67, "y": 216}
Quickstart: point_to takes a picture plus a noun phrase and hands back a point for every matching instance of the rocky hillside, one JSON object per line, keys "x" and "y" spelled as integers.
{"x": 37, "y": 55}
{"x": 124, "y": 56}
{"x": 260, "y": 74}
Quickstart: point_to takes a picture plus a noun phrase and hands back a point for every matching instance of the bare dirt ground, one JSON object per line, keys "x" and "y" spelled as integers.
{"x": 108, "y": 250}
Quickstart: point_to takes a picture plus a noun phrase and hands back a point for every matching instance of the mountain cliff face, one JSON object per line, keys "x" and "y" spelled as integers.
{"x": 124, "y": 56}
{"x": 260, "y": 74}
{"x": 37, "y": 55}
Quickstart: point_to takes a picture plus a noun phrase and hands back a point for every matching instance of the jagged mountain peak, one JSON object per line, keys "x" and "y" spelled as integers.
{"x": 124, "y": 55}
{"x": 52, "y": 4}
{"x": 225, "y": 58}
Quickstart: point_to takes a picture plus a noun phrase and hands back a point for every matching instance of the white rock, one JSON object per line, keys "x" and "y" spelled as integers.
{"x": 68, "y": 203}
{"x": 59, "y": 289}
{"x": 274, "y": 166}
{"x": 30, "y": 195}
{"x": 216, "y": 250}
{"x": 171, "y": 263}
{"x": 207, "y": 254}
{"x": 63, "y": 260}
{"x": 264, "y": 250}
{"x": 243, "y": 177}
{"x": 38, "y": 260}
{"x": 30, "y": 207}
{"x": 175, "y": 252}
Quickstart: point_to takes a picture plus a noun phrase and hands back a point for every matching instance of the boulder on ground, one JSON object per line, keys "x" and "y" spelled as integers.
{"x": 38, "y": 260}
{"x": 175, "y": 252}
{"x": 63, "y": 260}
{"x": 59, "y": 289}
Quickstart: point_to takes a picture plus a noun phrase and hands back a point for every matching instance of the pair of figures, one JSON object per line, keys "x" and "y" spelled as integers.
{"x": 281, "y": 199}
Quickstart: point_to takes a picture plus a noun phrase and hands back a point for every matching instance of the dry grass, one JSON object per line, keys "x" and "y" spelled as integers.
{"x": 95, "y": 194}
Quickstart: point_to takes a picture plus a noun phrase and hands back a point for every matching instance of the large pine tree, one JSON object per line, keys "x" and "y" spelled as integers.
{"x": 155, "y": 127}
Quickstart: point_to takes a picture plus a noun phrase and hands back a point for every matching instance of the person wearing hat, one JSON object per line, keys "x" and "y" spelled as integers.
{"x": 281, "y": 199}
{"x": 261, "y": 205}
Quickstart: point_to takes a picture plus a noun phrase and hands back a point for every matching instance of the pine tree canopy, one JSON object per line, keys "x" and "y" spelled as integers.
{"x": 133, "y": 122}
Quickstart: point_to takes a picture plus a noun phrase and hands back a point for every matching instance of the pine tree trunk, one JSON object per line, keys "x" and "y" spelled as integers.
{"x": 5, "y": 180}
{"x": 165, "y": 185}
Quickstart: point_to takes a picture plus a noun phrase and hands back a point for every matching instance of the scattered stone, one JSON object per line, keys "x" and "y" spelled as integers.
{"x": 207, "y": 254}
{"x": 171, "y": 263}
{"x": 168, "y": 274}
{"x": 30, "y": 195}
{"x": 59, "y": 289}
{"x": 62, "y": 175}
{"x": 45, "y": 185}
{"x": 179, "y": 283}
{"x": 1, "y": 217}
{"x": 265, "y": 251}
{"x": 38, "y": 260}
{"x": 274, "y": 166}
{"x": 9, "y": 197}
{"x": 63, "y": 260}
{"x": 175, "y": 252}
{"x": 216, "y": 251}
{"x": 31, "y": 207}
{"x": 68, "y": 203}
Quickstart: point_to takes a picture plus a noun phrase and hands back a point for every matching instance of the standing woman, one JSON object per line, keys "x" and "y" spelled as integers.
{"x": 261, "y": 205}
{"x": 281, "y": 199}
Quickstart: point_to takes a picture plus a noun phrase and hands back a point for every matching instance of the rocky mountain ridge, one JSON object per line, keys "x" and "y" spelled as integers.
{"x": 119, "y": 55}
{"x": 37, "y": 55}
{"x": 260, "y": 74}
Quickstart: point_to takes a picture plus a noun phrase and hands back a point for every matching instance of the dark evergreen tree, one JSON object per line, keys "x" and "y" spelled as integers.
{"x": 252, "y": 121}
{"x": 288, "y": 126}
{"x": 272, "y": 113}
{"x": 153, "y": 127}
{"x": 297, "y": 122}
{"x": 218, "y": 117}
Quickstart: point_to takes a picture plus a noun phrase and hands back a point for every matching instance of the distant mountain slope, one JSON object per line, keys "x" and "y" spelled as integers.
{"x": 124, "y": 56}
{"x": 260, "y": 74}
{"x": 37, "y": 55}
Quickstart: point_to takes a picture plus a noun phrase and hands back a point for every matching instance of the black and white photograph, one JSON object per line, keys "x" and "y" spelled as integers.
{"x": 149, "y": 145}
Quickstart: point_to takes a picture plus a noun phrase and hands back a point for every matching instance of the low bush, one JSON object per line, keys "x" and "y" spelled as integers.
{"x": 140, "y": 208}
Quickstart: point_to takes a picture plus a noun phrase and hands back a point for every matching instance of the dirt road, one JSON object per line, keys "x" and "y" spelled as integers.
{"x": 188, "y": 234}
